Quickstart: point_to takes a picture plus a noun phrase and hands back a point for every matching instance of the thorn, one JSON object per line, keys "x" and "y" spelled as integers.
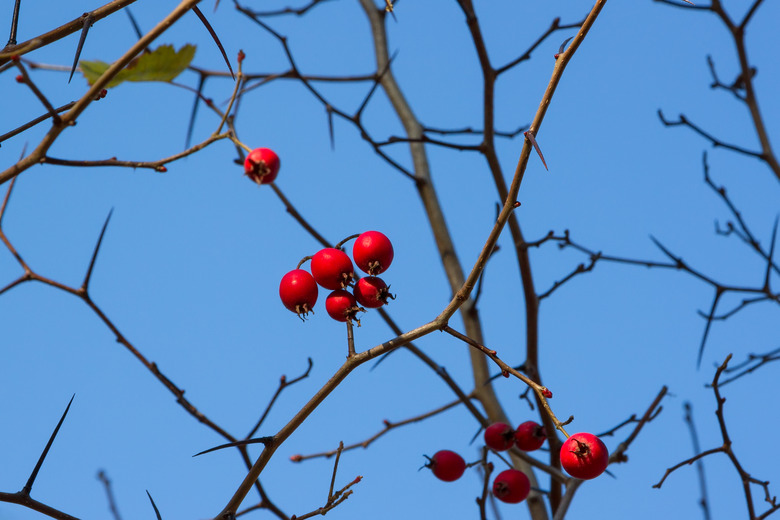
{"x": 530, "y": 136}
{"x": 136, "y": 28}
{"x": 214, "y": 36}
{"x": 88, "y": 20}
{"x": 260, "y": 440}
{"x": 329, "y": 110}
{"x": 562, "y": 48}
{"x": 191, "y": 126}
{"x": 156, "y": 511}
{"x": 85, "y": 285}
{"x": 28, "y": 486}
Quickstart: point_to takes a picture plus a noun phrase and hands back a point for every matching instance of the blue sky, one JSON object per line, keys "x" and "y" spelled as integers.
{"x": 192, "y": 258}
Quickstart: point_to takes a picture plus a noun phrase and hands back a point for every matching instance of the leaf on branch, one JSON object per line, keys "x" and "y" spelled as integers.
{"x": 162, "y": 64}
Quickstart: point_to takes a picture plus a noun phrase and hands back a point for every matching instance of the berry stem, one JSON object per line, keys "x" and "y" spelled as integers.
{"x": 350, "y": 340}
{"x": 303, "y": 261}
{"x": 338, "y": 246}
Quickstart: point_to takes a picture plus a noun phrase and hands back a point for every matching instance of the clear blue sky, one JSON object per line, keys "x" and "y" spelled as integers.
{"x": 192, "y": 258}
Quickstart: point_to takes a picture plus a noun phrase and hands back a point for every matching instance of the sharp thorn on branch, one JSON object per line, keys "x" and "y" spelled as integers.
{"x": 28, "y": 486}
{"x": 88, "y": 20}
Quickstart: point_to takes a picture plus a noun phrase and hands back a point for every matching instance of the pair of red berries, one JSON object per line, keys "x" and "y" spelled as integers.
{"x": 529, "y": 436}
{"x": 332, "y": 269}
{"x": 510, "y": 486}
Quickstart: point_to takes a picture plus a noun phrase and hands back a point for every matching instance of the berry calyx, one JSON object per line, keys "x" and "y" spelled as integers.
{"x": 511, "y": 486}
{"x": 262, "y": 165}
{"x": 373, "y": 252}
{"x": 499, "y": 436}
{"x": 298, "y": 292}
{"x": 372, "y": 292}
{"x": 446, "y": 465}
{"x": 584, "y": 456}
{"x": 530, "y": 436}
{"x": 332, "y": 268}
{"x": 342, "y": 306}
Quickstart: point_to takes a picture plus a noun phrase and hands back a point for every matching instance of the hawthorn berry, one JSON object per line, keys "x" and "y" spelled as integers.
{"x": 530, "y": 436}
{"x": 499, "y": 436}
{"x": 342, "y": 306}
{"x": 372, "y": 292}
{"x": 332, "y": 268}
{"x": 446, "y": 465}
{"x": 262, "y": 165}
{"x": 373, "y": 252}
{"x": 511, "y": 486}
{"x": 584, "y": 456}
{"x": 298, "y": 291}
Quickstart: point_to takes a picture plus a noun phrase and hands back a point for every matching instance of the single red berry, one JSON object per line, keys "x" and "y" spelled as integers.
{"x": 332, "y": 268}
{"x": 499, "y": 436}
{"x": 372, "y": 292}
{"x": 511, "y": 486}
{"x": 342, "y": 306}
{"x": 241, "y": 56}
{"x": 584, "y": 456}
{"x": 298, "y": 291}
{"x": 20, "y": 79}
{"x": 373, "y": 252}
{"x": 547, "y": 393}
{"x": 447, "y": 465}
{"x": 262, "y": 165}
{"x": 530, "y": 436}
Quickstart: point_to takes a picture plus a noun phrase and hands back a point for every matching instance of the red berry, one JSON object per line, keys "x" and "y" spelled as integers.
{"x": 262, "y": 165}
{"x": 584, "y": 456}
{"x": 499, "y": 436}
{"x": 372, "y": 292}
{"x": 530, "y": 436}
{"x": 332, "y": 268}
{"x": 511, "y": 486}
{"x": 547, "y": 393}
{"x": 342, "y": 306}
{"x": 373, "y": 252}
{"x": 447, "y": 465}
{"x": 20, "y": 79}
{"x": 298, "y": 291}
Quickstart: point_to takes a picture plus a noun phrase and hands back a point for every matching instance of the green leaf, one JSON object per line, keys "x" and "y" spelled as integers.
{"x": 162, "y": 64}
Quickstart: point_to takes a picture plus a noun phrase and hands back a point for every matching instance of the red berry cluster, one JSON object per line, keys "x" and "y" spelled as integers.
{"x": 583, "y": 456}
{"x": 529, "y": 436}
{"x": 332, "y": 269}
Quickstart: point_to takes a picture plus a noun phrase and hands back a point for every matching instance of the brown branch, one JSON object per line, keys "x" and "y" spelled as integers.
{"x": 283, "y": 383}
{"x": 682, "y": 120}
{"x": 62, "y": 31}
{"x": 103, "y": 478}
{"x": 388, "y": 426}
{"x": 703, "y": 502}
{"x": 35, "y": 121}
{"x": 158, "y": 165}
{"x": 334, "y": 499}
{"x": 70, "y": 117}
{"x": 726, "y": 448}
